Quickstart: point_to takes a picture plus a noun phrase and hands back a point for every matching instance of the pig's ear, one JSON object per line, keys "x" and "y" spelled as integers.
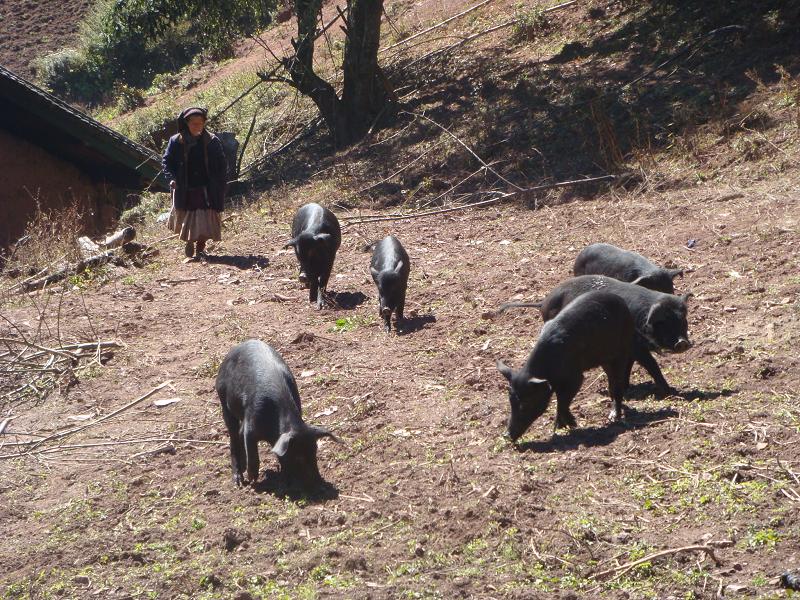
{"x": 290, "y": 243}
{"x": 656, "y": 313}
{"x": 505, "y": 370}
{"x": 322, "y": 237}
{"x": 282, "y": 445}
{"x": 321, "y": 432}
{"x": 675, "y": 272}
{"x": 375, "y": 272}
{"x": 642, "y": 281}
{"x": 398, "y": 267}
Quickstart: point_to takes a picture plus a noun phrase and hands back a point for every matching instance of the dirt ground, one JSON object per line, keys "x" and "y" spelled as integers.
{"x": 427, "y": 498}
{"x": 30, "y": 29}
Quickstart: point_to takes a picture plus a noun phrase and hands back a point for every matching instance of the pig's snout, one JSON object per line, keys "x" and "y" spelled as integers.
{"x": 682, "y": 345}
{"x": 386, "y": 312}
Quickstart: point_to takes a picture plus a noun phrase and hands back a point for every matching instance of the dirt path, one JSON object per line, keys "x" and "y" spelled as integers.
{"x": 431, "y": 501}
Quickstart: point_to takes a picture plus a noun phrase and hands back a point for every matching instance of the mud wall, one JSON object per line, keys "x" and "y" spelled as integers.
{"x": 29, "y": 173}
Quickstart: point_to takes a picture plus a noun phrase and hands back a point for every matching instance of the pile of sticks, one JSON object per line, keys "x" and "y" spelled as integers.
{"x": 30, "y": 371}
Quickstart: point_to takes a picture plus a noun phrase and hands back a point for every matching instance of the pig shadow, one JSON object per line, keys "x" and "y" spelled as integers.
{"x": 412, "y": 324}
{"x": 346, "y": 300}
{"x": 597, "y": 436}
{"x": 272, "y": 482}
{"x": 640, "y": 391}
{"x": 239, "y": 261}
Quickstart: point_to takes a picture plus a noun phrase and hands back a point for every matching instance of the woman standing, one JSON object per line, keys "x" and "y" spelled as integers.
{"x": 195, "y": 163}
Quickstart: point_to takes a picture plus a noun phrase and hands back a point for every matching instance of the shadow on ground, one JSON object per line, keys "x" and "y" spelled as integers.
{"x": 598, "y": 436}
{"x": 347, "y": 300}
{"x": 239, "y": 261}
{"x": 410, "y": 325}
{"x": 274, "y": 484}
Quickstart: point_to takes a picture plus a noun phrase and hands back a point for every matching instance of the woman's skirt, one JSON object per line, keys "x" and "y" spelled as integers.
{"x": 195, "y": 224}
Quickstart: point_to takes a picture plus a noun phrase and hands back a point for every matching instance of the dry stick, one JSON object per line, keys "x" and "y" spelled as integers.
{"x": 371, "y": 219}
{"x": 400, "y": 170}
{"x": 482, "y": 33}
{"x": 467, "y": 178}
{"x": 63, "y": 434}
{"x": 622, "y": 569}
{"x": 467, "y": 148}
{"x": 68, "y": 355}
{"x": 437, "y": 26}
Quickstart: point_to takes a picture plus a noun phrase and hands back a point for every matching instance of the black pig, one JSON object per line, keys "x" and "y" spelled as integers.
{"x": 594, "y": 330}
{"x": 608, "y": 260}
{"x": 660, "y": 318}
{"x": 389, "y": 268}
{"x": 260, "y": 402}
{"x": 316, "y": 236}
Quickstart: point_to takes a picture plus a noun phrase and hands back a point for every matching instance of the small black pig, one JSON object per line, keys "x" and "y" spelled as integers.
{"x": 260, "y": 402}
{"x": 594, "y": 330}
{"x": 316, "y": 236}
{"x": 389, "y": 268}
{"x": 660, "y": 318}
{"x": 608, "y": 260}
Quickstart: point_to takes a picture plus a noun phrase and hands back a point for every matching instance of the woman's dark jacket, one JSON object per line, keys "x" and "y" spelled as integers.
{"x": 209, "y": 150}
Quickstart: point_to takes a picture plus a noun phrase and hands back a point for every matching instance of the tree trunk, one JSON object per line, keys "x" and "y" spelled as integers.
{"x": 364, "y": 95}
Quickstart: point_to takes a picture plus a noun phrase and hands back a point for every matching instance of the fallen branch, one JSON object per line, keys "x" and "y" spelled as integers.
{"x": 81, "y": 265}
{"x": 622, "y": 569}
{"x": 63, "y": 434}
{"x": 479, "y": 34}
{"x": 467, "y": 148}
{"x": 503, "y": 196}
{"x": 437, "y": 26}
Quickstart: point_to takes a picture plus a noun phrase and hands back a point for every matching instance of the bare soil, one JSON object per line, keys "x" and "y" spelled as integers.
{"x": 30, "y": 29}
{"x": 427, "y": 498}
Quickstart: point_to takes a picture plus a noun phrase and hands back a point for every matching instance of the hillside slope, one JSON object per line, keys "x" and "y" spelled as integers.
{"x": 695, "y": 496}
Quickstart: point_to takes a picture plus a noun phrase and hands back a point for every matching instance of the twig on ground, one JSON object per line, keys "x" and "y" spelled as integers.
{"x": 502, "y": 196}
{"x": 622, "y": 569}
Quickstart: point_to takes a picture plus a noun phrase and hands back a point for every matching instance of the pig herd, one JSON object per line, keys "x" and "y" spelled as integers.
{"x": 618, "y": 309}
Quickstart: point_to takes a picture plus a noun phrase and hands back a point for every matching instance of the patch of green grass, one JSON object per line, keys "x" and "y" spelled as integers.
{"x": 345, "y": 324}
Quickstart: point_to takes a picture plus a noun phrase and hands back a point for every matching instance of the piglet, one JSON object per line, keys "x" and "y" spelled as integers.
{"x": 316, "y": 236}
{"x": 389, "y": 268}
{"x": 594, "y": 330}
{"x": 608, "y": 260}
{"x": 260, "y": 402}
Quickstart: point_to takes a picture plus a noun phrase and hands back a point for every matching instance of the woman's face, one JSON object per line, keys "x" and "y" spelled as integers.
{"x": 195, "y": 123}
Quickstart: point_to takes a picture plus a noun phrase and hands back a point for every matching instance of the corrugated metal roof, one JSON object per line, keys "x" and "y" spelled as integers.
{"x": 29, "y": 111}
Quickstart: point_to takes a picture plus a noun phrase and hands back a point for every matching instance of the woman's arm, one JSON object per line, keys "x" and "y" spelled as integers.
{"x": 169, "y": 161}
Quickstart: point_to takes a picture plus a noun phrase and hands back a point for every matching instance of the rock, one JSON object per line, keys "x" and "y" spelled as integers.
{"x": 147, "y": 297}
{"x": 81, "y": 580}
{"x": 232, "y": 538}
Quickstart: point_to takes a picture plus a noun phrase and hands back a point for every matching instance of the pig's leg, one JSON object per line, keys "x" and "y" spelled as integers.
{"x": 644, "y": 358}
{"x": 237, "y": 448}
{"x": 323, "y": 286}
{"x": 398, "y": 314}
{"x": 616, "y": 387}
{"x": 565, "y": 393}
{"x": 251, "y": 450}
{"x": 313, "y": 289}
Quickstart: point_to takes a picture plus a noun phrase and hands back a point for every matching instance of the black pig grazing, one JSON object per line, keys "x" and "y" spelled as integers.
{"x": 608, "y": 260}
{"x": 660, "y": 318}
{"x": 260, "y": 402}
{"x": 594, "y": 330}
{"x": 389, "y": 268}
{"x": 316, "y": 236}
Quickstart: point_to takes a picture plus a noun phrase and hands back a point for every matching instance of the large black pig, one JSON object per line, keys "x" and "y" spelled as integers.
{"x": 660, "y": 318}
{"x": 260, "y": 402}
{"x": 594, "y": 330}
{"x": 608, "y": 260}
{"x": 316, "y": 236}
{"x": 390, "y": 267}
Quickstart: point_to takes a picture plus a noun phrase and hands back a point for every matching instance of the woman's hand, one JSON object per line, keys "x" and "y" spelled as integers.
{"x": 172, "y": 185}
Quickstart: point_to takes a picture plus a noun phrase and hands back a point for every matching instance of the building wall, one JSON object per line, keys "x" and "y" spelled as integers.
{"x": 29, "y": 173}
